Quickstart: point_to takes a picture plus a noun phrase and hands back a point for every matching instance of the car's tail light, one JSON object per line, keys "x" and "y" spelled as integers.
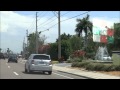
{"x": 32, "y": 62}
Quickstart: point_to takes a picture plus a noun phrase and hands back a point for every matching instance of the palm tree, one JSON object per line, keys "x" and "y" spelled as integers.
{"x": 84, "y": 25}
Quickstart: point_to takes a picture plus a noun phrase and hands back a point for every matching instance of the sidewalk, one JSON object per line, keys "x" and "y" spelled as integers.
{"x": 88, "y": 74}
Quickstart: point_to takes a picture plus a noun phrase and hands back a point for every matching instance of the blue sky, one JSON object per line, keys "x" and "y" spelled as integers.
{"x": 15, "y": 23}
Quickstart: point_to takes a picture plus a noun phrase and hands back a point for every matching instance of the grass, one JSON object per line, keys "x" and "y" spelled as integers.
{"x": 55, "y": 62}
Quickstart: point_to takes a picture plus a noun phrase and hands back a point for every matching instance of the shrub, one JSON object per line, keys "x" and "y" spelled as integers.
{"x": 78, "y": 54}
{"x": 90, "y": 67}
{"x": 77, "y": 60}
{"x": 96, "y": 66}
{"x": 83, "y": 64}
{"x": 69, "y": 61}
{"x": 108, "y": 68}
{"x": 117, "y": 67}
{"x": 99, "y": 67}
{"x": 74, "y": 64}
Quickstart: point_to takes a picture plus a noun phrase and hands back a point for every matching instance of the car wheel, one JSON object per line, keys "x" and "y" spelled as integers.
{"x": 43, "y": 72}
{"x": 29, "y": 71}
{"x": 16, "y": 61}
{"x": 25, "y": 70}
{"x": 50, "y": 72}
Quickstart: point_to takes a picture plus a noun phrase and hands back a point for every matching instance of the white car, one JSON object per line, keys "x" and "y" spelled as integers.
{"x": 38, "y": 62}
{"x": 106, "y": 58}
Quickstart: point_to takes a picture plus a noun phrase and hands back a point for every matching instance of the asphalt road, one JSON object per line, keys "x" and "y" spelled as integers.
{"x": 16, "y": 71}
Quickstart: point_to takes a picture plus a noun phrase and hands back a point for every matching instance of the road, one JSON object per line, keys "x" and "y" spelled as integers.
{"x": 16, "y": 71}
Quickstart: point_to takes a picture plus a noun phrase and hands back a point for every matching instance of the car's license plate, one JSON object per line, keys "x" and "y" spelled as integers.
{"x": 41, "y": 62}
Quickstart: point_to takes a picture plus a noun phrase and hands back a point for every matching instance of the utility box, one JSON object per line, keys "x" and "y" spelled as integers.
{"x": 116, "y": 57}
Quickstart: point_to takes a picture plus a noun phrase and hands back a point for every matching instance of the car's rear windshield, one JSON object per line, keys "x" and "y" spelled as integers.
{"x": 43, "y": 57}
{"x": 13, "y": 56}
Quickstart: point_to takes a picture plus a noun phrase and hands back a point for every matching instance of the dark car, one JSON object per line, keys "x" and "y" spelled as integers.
{"x": 13, "y": 58}
{"x": 2, "y": 56}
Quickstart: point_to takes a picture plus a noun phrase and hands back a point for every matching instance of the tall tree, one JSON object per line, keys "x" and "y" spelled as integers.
{"x": 64, "y": 36}
{"x": 32, "y": 42}
{"x": 76, "y": 43}
{"x": 84, "y": 25}
{"x": 53, "y": 51}
{"x": 117, "y": 36}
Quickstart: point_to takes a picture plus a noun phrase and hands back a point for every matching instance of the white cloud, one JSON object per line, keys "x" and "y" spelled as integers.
{"x": 11, "y": 22}
{"x": 104, "y": 21}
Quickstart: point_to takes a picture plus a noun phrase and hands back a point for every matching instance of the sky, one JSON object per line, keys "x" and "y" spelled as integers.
{"x": 13, "y": 25}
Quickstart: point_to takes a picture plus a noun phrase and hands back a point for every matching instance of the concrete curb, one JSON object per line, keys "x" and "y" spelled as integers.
{"x": 76, "y": 74}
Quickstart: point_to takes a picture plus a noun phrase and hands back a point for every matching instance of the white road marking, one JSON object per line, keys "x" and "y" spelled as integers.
{"x": 63, "y": 75}
{"x": 15, "y": 73}
{"x": 8, "y": 66}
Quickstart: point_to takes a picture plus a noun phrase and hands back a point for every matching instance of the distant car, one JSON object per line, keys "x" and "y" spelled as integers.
{"x": 2, "y": 56}
{"x": 19, "y": 56}
{"x": 13, "y": 58}
{"x": 38, "y": 62}
{"x": 106, "y": 58}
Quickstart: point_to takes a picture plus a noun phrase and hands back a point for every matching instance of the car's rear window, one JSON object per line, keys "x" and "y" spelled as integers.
{"x": 13, "y": 56}
{"x": 43, "y": 57}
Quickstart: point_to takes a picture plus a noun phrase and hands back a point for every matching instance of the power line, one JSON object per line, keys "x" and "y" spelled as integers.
{"x": 49, "y": 22}
{"x": 42, "y": 15}
{"x": 54, "y": 13}
{"x": 46, "y": 21}
{"x": 53, "y": 26}
{"x": 31, "y": 24}
{"x": 75, "y": 16}
{"x": 52, "y": 17}
{"x": 66, "y": 13}
{"x": 69, "y": 19}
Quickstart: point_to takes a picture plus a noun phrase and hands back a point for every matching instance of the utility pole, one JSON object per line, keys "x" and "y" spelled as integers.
{"x": 59, "y": 37}
{"x": 23, "y": 47}
{"x": 36, "y": 35}
{"x": 27, "y": 42}
{"x": 27, "y": 38}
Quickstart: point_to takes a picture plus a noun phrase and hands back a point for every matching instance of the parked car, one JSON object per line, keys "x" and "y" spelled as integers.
{"x": 13, "y": 58}
{"x": 38, "y": 62}
{"x": 2, "y": 56}
{"x": 105, "y": 57}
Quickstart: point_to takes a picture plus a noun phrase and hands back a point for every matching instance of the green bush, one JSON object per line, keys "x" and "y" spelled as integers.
{"x": 77, "y": 60}
{"x": 90, "y": 67}
{"x": 74, "y": 64}
{"x": 83, "y": 64}
{"x": 98, "y": 67}
{"x": 69, "y": 61}
{"x": 107, "y": 68}
{"x": 117, "y": 67}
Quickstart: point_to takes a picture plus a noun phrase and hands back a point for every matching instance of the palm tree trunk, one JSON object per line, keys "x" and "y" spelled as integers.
{"x": 85, "y": 40}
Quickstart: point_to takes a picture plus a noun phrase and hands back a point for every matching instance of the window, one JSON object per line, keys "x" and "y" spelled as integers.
{"x": 43, "y": 57}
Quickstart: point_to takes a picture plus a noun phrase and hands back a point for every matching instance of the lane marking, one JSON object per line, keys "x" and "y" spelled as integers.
{"x": 63, "y": 75}
{"x": 8, "y": 66}
{"x": 15, "y": 73}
